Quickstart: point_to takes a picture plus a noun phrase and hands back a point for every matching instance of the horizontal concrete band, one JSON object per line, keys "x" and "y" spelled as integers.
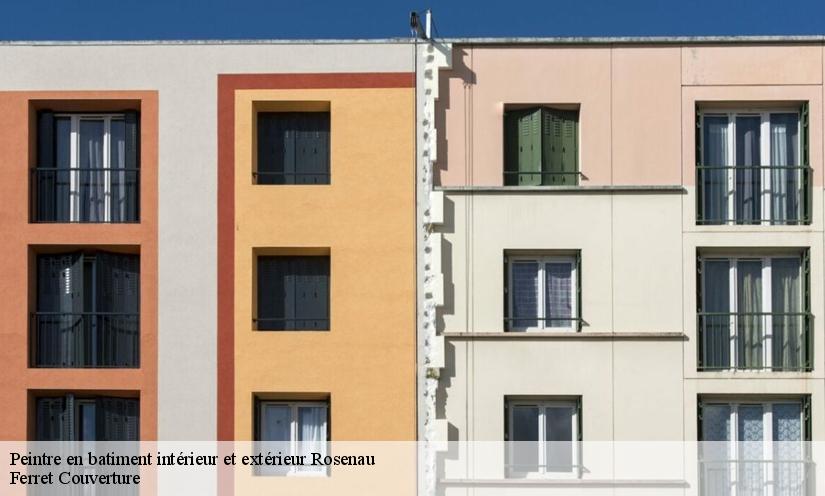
{"x": 566, "y": 335}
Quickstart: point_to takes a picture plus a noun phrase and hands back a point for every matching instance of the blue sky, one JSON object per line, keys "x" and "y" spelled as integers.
{"x": 250, "y": 19}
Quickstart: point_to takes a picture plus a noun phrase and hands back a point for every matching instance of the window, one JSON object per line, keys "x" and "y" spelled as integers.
{"x": 541, "y": 147}
{"x": 293, "y": 428}
{"x": 293, "y": 148}
{"x": 753, "y": 167}
{"x": 88, "y": 310}
{"x": 77, "y": 418}
{"x": 543, "y": 437}
{"x": 87, "y": 168}
{"x": 753, "y": 447}
{"x": 293, "y": 293}
{"x": 542, "y": 292}
{"x": 754, "y": 312}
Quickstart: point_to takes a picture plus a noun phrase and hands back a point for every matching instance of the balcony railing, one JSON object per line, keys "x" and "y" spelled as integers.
{"x": 755, "y": 341}
{"x": 541, "y": 178}
{"x": 284, "y": 324}
{"x": 85, "y": 340}
{"x": 85, "y": 195}
{"x": 267, "y": 177}
{"x": 756, "y": 478}
{"x": 769, "y": 194}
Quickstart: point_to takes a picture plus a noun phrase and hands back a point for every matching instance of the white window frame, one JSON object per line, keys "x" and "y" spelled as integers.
{"x": 542, "y": 261}
{"x": 74, "y": 161}
{"x": 767, "y": 297}
{"x": 734, "y": 446}
{"x": 764, "y": 153}
{"x": 297, "y": 471}
{"x": 541, "y": 445}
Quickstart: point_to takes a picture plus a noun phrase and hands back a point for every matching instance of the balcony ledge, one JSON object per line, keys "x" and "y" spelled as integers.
{"x": 601, "y": 189}
{"x": 583, "y": 483}
{"x": 567, "y": 335}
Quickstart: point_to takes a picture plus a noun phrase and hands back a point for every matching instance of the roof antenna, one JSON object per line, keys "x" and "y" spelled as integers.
{"x": 424, "y": 32}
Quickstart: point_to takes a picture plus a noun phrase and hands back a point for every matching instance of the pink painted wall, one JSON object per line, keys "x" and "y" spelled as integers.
{"x": 636, "y": 103}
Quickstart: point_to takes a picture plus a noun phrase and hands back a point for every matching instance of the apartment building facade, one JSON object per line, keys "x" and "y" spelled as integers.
{"x": 628, "y": 249}
{"x": 539, "y": 244}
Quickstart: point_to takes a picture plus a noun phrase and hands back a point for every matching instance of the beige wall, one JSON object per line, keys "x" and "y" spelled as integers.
{"x": 638, "y": 247}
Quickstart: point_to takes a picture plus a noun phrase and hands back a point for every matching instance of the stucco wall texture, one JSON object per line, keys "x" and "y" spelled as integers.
{"x": 638, "y": 247}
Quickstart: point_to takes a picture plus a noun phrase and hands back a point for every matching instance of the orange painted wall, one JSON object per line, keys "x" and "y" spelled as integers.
{"x": 365, "y": 218}
{"x": 18, "y": 383}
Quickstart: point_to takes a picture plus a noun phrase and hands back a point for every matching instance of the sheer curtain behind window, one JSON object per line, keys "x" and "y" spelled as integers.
{"x": 787, "y": 323}
{"x": 311, "y": 432}
{"x": 715, "y": 154}
{"x": 785, "y": 183}
{"x": 558, "y": 294}
{"x": 92, "y": 179}
{"x": 749, "y": 318}
{"x": 748, "y": 186}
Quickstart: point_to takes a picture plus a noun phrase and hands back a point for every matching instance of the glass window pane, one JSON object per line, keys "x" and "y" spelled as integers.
{"x": 558, "y": 294}
{"x": 713, "y": 181}
{"x": 785, "y": 183}
{"x": 559, "y": 431}
{"x": 91, "y": 143}
{"x": 117, "y": 144}
{"x": 788, "y": 322}
{"x": 524, "y": 438}
{"x": 751, "y": 449}
{"x": 87, "y": 422}
{"x": 275, "y": 422}
{"x": 747, "y": 189}
{"x": 525, "y": 294}
{"x": 63, "y": 140}
{"x": 715, "y": 321}
{"x": 749, "y": 328}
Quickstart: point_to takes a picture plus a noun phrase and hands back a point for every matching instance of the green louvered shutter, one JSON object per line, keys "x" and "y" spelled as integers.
{"x": 529, "y": 148}
{"x": 560, "y": 146}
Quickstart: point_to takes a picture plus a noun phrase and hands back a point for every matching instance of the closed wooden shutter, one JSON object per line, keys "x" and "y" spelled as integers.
{"x": 118, "y": 301}
{"x": 560, "y": 146}
{"x": 118, "y": 419}
{"x": 293, "y": 147}
{"x": 293, "y": 293}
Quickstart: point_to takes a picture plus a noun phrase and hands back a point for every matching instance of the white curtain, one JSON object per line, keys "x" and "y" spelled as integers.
{"x": 119, "y": 178}
{"x": 788, "y": 325}
{"x": 747, "y": 189}
{"x": 558, "y": 294}
{"x": 789, "y": 473}
{"x": 92, "y": 179}
{"x": 312, "y": 432}
{"x": 784, "y": 182}
{"x": 751, "y": 437}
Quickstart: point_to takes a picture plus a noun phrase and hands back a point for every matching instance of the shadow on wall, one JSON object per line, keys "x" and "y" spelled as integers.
{"x": 467, "y": 77}
{"x": 448, "y": 227}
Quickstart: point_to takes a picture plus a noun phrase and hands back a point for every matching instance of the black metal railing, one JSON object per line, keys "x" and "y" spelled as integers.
{"x": 85, "y": 340}
{"x": 756, "y": 478}
{"x": 769, "y": 194}
{"x": 85, "y": 195}
{"x": 284, "y": 324}
{"x": 543, "y": 323}
{"x": 541, "y": 178}
{"x": 269, "y": 177}
{"x": 755, "y": 341}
